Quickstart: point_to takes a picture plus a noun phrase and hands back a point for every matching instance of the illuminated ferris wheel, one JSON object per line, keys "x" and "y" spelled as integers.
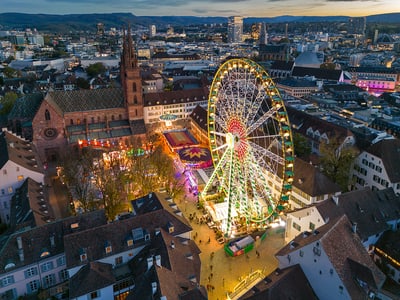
{"x": 251, "y": 143}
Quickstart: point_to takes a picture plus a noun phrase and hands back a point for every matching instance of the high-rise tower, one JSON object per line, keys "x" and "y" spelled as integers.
{"x": 235, "y": 29}
{"x": 131, "y": 79}
{"x": 152, "y": 30}
{"x": 263, "y": 35}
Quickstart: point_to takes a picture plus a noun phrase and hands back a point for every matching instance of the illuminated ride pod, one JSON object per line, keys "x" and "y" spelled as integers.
{"x": 251, "y": 144}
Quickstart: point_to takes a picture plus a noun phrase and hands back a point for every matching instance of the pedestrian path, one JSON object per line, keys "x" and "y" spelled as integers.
{"x": 222, "y": 274}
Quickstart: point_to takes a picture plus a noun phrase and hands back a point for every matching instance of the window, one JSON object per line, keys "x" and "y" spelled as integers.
{"x": 10, "y": 189}
{"x": 134, "y": 87}
{"x": 47, "y": 115}
{"x": 20, "y": 177}
{"x": 32, "y": 286}
{"x": 118, "y": 260}
{"x": 83, "y": 257}
{"x": 5, "y": 172}
{"x": 312, "y": 226}
{"x": 61, "y": 261}
{"x": 63, "y": 274}
{"x": 7, "y": 281}
{"x": 94, "y": 295}
{"x": 301, "y": 253}
{"x": 47, "y": 266}
{"x": 49, "y": 280}
{"x": 31, "y": 272}
{"x": 296, "y": 226}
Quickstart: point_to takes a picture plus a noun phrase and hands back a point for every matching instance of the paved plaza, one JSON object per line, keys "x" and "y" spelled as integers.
{"x": 220, "y": 272}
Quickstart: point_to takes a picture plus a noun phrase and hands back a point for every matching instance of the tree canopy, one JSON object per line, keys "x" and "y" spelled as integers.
{"x": 95, "y": 69}
{"x": 336, "y": 162}
{"x": 7, "y": 102}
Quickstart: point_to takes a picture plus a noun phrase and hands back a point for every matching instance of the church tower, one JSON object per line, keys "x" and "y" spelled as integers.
{"x": 131, "y": 79}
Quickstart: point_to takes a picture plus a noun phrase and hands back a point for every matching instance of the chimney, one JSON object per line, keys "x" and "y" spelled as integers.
{"x": 19, "y": 242}
{"x": 354, "y": 227}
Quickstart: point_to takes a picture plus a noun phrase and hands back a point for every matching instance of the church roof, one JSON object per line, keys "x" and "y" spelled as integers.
{"x": 26, "y": 106}
{"x": 86, "y": 100}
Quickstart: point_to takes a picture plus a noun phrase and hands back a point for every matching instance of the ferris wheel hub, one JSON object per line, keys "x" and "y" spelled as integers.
{"x": 231, "y": 140}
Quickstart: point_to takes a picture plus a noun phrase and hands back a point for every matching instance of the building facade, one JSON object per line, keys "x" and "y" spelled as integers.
{"x": 235, "y": 29}
{"x": 17, "y": 163}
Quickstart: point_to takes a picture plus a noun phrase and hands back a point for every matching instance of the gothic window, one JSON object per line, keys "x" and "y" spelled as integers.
{"x": 112, "y": 117}
{"x": 47, "y": 115}
{"x": 71, "y": 122}
{"x": 135, "y": 100}
{"x": 120, "y": 117}
{"x": 134, "y": 86}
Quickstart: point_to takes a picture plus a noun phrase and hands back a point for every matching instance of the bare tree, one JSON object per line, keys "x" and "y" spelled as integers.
{"x": 76, "y": 173}
{"x": 109, "y": 178}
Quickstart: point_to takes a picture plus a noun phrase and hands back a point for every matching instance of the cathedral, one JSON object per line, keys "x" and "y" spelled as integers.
{"x": 99, "y": 117}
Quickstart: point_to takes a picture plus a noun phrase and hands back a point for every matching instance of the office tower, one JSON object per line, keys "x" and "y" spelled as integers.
{"x": 100, "y": 28}
{"x": 357, "y": 25}
{"x": 152, "y": 30}
{"x": 235, "y": 29}
{"x": 263, "y": 35}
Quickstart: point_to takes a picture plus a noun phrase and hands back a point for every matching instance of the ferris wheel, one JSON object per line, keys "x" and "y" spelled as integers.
{"x": 250, "y": 142}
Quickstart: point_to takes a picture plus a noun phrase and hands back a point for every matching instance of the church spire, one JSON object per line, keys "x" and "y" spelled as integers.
{"x": 129, "y": 53}
{"x": 131, "y": 78}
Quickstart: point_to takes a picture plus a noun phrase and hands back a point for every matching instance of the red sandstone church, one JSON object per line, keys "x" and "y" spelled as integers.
{"x": 110, "y": 115}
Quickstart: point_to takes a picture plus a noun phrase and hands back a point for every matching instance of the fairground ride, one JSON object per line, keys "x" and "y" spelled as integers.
{"x": 251, "y": 144}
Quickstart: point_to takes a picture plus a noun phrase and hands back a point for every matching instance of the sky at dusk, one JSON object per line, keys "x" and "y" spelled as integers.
{"x": 245, "y": 8}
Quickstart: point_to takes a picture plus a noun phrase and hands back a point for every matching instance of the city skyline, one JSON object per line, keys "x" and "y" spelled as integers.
{"x": 223, "y": 8}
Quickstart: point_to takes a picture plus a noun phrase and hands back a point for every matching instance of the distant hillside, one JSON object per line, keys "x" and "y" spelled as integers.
{"x": 87, "y": 22}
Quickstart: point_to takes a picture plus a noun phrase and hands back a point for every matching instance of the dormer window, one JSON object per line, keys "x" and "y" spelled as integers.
{"x": 170, "y": 227}
{"x": 83, "y": 255}
{"x": 107, "y": 247}
{"x": 129, "y": 242}
{"x": 44, "y": 253}
{"x": 74, "y": 225}
{"x": 137, "y": 234}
